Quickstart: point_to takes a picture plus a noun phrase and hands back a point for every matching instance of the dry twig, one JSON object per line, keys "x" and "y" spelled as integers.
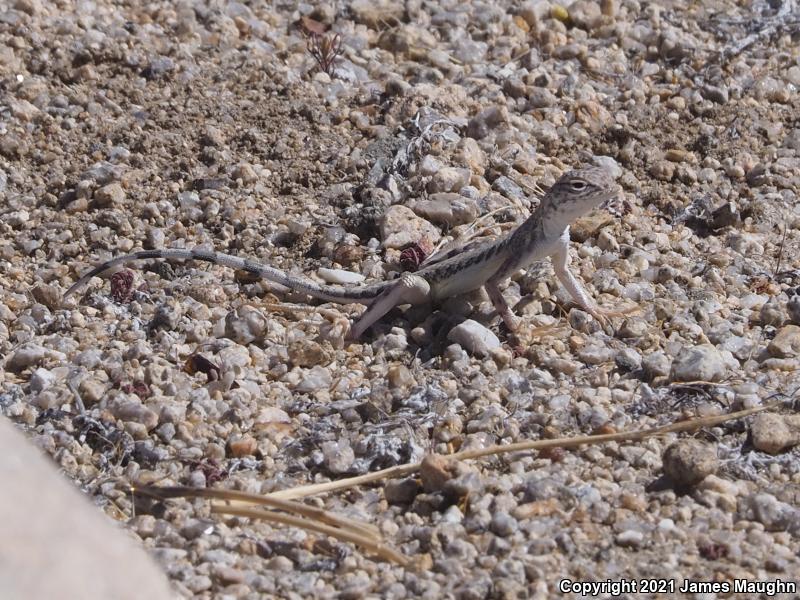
{"x": 573, "y": 442}
{"x": 780, "y": 254}
{"x": 314, "y": 519}
{"x": 371, "y": 544}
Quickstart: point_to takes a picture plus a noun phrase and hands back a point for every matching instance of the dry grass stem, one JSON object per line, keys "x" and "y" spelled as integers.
{"x": 238, "y": 503}
{"x": 343, "y": 534}
{"x": 162, "y": 493}
{"x": 573, "y": 442}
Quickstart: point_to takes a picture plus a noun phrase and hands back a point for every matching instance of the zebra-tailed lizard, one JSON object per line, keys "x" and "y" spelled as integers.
{"x": 544, "y": 234}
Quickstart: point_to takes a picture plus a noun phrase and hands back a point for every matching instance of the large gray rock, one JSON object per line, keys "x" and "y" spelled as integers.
{"x": 701, "y": 363}
{"x": 55, "y": 544}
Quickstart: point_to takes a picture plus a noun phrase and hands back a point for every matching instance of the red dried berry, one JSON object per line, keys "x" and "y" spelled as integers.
{"x": 713, "y": 551}
{"x": 140, "y": 388}
{"x": 122, "y": 286}
{"x": 413, "y": 256}
{"x": 210, "y": 468}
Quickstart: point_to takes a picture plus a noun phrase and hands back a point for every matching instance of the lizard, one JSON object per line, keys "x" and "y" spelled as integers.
{"x": 545, "y": 233}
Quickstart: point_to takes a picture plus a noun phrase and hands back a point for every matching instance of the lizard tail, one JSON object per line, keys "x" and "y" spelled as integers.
{"x": 330, "y": 293}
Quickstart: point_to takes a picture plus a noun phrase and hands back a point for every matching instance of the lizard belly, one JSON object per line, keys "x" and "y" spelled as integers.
{"x": 543, "y": 247}
{"x": 466, "y": 280}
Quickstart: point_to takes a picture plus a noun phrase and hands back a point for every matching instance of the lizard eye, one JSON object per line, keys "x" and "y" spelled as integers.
{"x": 578, "y": 185}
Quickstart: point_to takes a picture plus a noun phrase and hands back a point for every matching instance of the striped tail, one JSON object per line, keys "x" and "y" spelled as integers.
{"x": 330, "y": 293}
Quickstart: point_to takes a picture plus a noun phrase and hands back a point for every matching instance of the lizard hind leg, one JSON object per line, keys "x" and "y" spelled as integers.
{"x": 409, "y": 289}
{"x": 501, "y": 306}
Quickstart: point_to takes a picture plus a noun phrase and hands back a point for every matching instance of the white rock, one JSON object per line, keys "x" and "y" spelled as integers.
{"x": 474, "y": 337}
{"x": 338, "y": 456}
{"x": 631, "y": 538}
{"x": 339, "y": 276}
{"x": 317, "y": 378}
{"x": 273, "y": 414}
{"x": 449, "y": 179}
{"x": 793, "y": 75}
{"x": 452, "y": 515}
{"x": 244, "y": 325}
{"x": 700, "y": 363}
{"x": 753, "y": 301}
{"x": 42, "y": 379}
{"x": 234, "y": 356}
{"x": 666, "y": 525}
{"x": 110, "y": 195}
{"x": 394, "y": 340}
{"x": 23, "y": 110}
{"x": 429, "y": 165}
{"x": 136, "y": 412}
{"x": 30, "y": 354}
{"x": 401, "y": 227}
{"x": 609, "y": 164}
{"x": 17, "y": 218}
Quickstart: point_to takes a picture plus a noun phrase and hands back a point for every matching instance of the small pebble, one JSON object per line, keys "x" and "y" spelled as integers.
{"x": 435, "y": 471}
{"x": 687, "y": 462}
{"x": 315, "y": 379}
{"x": 786, "y": 343}
{"x": 503, "y": 524}
{"x": 401, "y": 227}
{"x": 773, "y": 433}
{"x": 135, "y": 412}
{"x": 338, "y": 456}
{"x": 243, "y": 446}
{"x": 474, "y": 337}
{"x": 401, "y": 491}
{"x": 630, "y": 538}
{"x": 109, "y": 195}
{"x": 340, "y": 276}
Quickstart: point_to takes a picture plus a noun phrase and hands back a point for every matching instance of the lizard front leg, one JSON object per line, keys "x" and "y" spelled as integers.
{"x": 410, "y": 289}
{"x": 560, "y": 259}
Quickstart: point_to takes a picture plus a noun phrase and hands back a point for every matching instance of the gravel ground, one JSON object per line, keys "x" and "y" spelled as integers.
{"x": 179, "y": 124}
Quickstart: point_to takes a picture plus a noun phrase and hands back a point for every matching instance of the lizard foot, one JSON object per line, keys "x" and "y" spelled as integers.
{"x": 625, "y": 312}
{"x": 525, "y": 335}
{"x": 336, "y": 328}
{"x": 603, "y": 316}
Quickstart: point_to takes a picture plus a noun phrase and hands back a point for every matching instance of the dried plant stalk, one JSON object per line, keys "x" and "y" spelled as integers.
{"x": 573, "y": 442}
{"x": 162, "y": 493}
{"x": 325, "y": 49}
{"x": 343, "y": 534}
{"x": 238, "y": 503}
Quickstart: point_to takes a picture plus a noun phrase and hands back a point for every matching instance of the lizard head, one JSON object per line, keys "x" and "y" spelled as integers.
{"x": 579, "y": 191}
